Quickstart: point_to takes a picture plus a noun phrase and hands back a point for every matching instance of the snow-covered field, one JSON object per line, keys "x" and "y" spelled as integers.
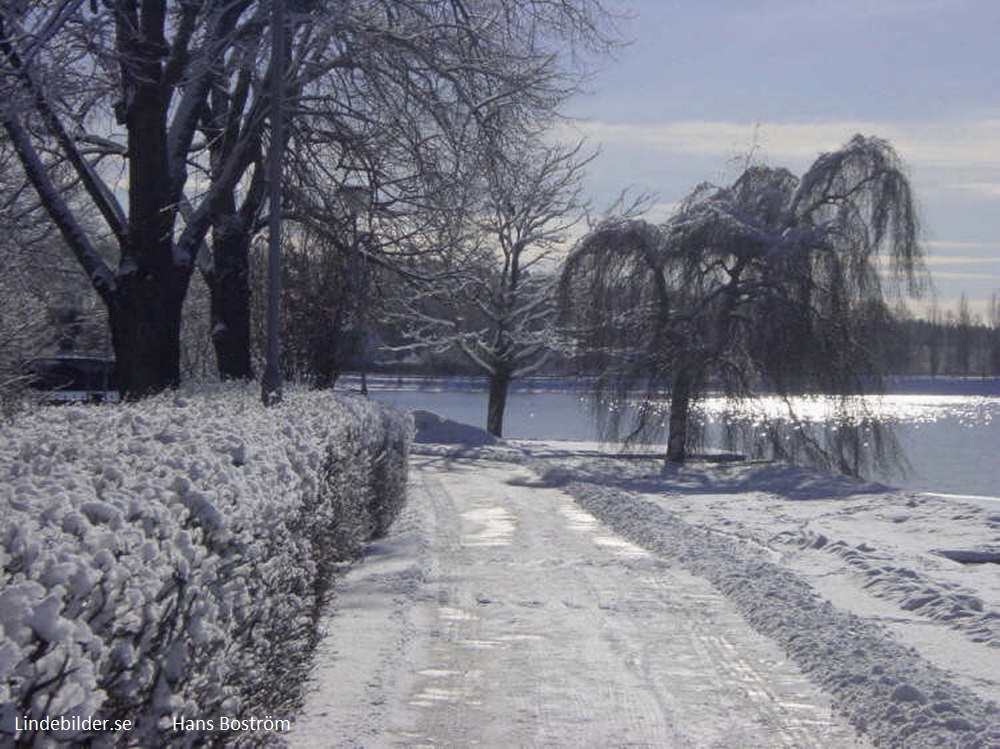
{"x": 540, "y": 595}
{"x": 162, "y": 563}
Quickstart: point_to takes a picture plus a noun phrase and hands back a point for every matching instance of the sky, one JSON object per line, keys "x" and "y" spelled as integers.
{"x": 702, "y": 83}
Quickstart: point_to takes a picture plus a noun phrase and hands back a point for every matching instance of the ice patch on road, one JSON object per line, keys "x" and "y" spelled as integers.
{"x": 493, "y": 526}
{"x": 582, "y": 521}
{"x": 456, "y": 615}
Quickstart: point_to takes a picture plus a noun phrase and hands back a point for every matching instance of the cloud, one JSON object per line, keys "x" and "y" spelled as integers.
{"x": 972, "y": 146}
{"x": 963, "y": 245}
{"x": 990, "y": 190}
{"x": 980, "y": 277}
{"x": 949, "y": 261}
{"x": 944, "y": 254}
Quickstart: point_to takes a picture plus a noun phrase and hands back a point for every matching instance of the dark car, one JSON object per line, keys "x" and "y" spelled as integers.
{"x": 74, "y": 378}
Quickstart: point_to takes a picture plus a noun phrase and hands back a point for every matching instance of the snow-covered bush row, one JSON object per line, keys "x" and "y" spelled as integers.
{"x": 887, "y": 690}
{"x": 166, "y": 559}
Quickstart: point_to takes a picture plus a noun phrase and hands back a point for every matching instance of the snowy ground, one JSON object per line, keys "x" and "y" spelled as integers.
{"x": 550, "y": 599}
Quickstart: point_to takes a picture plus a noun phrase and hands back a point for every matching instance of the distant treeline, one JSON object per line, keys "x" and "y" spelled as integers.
{"x": 946, "y": 345}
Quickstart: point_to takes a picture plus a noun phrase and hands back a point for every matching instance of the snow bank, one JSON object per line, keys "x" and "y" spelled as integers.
{"x": 166, "y": 559}
{"x": 436, "y": 435}
{"x": 887, "y": 690}
{"x": 432, "y": 428}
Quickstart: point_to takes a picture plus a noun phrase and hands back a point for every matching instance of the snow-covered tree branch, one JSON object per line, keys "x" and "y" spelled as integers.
{"x": 165, "y": 104}
{"x": 497, "y": 309}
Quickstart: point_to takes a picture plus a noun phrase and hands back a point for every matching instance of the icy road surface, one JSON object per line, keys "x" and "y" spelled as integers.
{"x": 501, "y": 614}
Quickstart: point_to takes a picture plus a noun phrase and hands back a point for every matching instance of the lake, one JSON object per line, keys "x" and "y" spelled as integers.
{"x": 949, "y": 428}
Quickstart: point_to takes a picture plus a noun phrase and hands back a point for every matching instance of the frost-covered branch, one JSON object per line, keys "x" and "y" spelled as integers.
{"x": 77, "y": 239}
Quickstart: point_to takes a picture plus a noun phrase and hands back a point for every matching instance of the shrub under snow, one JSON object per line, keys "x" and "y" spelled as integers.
{"x": 166, "y": 559}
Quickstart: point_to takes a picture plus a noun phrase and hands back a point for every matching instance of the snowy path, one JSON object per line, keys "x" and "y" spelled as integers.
{"x": 500, "y": 614}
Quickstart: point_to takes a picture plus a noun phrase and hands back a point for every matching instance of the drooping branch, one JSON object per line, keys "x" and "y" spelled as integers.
{"x": 762, "y": 285}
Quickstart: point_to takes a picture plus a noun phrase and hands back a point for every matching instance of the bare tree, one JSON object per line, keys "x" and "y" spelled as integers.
{"x": 323, "y": 308}
{"x": 45, "y": 306}
{"x": 994, "y": 334}
{"x": 402, "y": 107}
{"x": 936, "y": 343}
{"x": 166, "y": 101}
{"x": 964, "y": 333}
{"x": 409, "y": 120}
{"x": 496, "y": 306}
{"x": 761, "y": 285}
{"x": 127, "y": 82}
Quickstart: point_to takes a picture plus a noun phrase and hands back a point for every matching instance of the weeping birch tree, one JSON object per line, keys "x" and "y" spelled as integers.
{"x": 764, "y": 285}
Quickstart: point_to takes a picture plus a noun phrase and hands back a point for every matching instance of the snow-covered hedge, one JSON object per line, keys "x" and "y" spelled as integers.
{"x": 165, "y": 560}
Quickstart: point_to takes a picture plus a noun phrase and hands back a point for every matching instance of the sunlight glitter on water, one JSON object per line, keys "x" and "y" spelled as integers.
{"x": 950, "y": 438}
{"x": 913, "y": 409}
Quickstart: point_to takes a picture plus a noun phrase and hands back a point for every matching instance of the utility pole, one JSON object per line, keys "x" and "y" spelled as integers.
{"x": 356, "y": 201}
{"x": 271, "y": 384}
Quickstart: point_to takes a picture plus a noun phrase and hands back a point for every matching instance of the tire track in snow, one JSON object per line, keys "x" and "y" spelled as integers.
{"x": 715, "y": 654}
{"x": 503, "y": 615}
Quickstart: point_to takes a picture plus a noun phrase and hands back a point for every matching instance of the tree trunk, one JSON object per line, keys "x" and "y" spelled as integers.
{"x": 680, "y": 411}
{"x": 145, "y": 325}
{"x": 499, "y": 382}
{"x": 145, "y": 314}
{"x": 230, "y": 303}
